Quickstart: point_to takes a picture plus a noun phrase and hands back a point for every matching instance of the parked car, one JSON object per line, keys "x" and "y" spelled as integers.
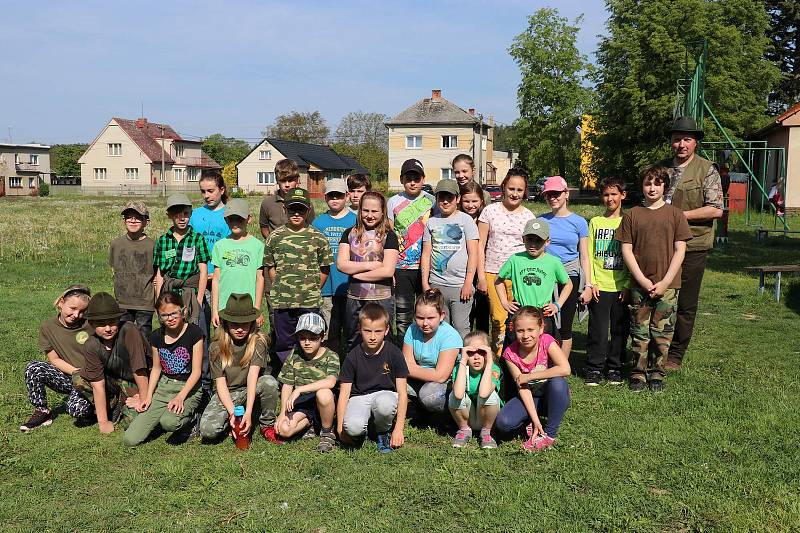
{"x": 494, "y": 192}
{"x": 535, "y": 189}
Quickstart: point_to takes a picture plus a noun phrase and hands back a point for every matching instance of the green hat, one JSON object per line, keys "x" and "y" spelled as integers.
{"x": 239, "y": 309}
{"x": 237, "y": 207}
{"x": 103, "y": 306}
{"x": 178, "y": 199}
{"x": 447, "y": 185}
{"x": 686, "y": 125}
{"x": 297, "y": 196}
{"x": 537, "y": 227}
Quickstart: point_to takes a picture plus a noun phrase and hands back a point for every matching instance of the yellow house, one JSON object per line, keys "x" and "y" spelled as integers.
{"x": 126, "y": 158}
{"x": 23, "y": 167}
{"x": 435, "y": 130}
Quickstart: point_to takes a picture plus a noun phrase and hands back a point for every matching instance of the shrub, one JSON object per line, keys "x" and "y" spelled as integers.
{"x": 44, "y": 189}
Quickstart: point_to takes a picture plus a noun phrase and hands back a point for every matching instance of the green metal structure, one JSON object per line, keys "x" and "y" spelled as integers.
{"x": 761, "y": 163}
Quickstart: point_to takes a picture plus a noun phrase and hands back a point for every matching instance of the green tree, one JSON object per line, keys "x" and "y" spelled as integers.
{"x": 642, "y": 58}
{"x": 552, "y": 95}
{"x": 358, "y": 127}
{"x": 373, "y": 157}
{"x": 301, "y": 127}
{"x": 230, "y": 175}
{"x": 64, "y": 159}
{"x": 225, "y": 150}
{"x": 506, "y": 138}
{"x": 784, "y": 34}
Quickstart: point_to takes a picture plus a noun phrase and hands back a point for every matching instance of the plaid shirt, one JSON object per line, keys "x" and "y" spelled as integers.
{"x": 180, "y": 259}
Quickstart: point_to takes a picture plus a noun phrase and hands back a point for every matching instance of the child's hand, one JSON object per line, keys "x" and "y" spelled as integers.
{"x": 344, "y": 438}
{"x": 200, "y": 298}
{"x": 466, "y": 292}
{"x": 293, "y": 398}
{"x": 483, "y": 287}
{"x": 511, "y": 307}
{"x": 425, "y": 286}
{"x": 625, "y": 296}
{"x": 522, "y": 379}
{"x": 260, "y": 321}
{"x": 586, "y": 296}
{"x": 658, "y": 289}
{"x": 647, "y": 285}
{"x": 143, "y": 405}
{"x": 175, "y": 405}
{"x": 106, "y": 427}
{"x": 550, "y": 309}
{"x": 215, "y": 319}
{"x": 398, "y": 438}
{"x": 133, "y": 401}
{"x": 247, "y": 423}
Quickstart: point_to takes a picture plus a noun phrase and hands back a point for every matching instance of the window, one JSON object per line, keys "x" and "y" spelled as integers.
{"x": 449, "y": 141}
{"x": 33, "y": 159}
{"x": 131, "y": 173}
{"x": 265, "y": 155}
{"x": 266, "y": 178}
{"x": 413, "y": 142}
{"x": 15, "y": 182}
{"x": 114, "y": 148}
{"x": 31, "y": 183}
{"x": 178, "y": 150}
{"x": 192, "y": 174}
{"x": 447, "y": 174}
{"x": 177, "y": 174}
{"x": 100, "y": 174}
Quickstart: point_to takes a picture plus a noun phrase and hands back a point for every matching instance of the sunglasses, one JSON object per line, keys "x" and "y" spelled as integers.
{"x": 469, "y": 352}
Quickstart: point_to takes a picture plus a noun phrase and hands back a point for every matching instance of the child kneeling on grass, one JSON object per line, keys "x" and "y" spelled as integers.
{"x": 474, "y": 401}
{"x": 241, "y": 371}
{"x": 308, "y": 377}
{"x": 173, "y": 391}
{"x": 539, "y": 368}
{"x": 373, "y": 385}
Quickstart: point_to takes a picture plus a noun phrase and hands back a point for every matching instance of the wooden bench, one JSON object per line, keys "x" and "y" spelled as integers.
{"x": 772, "y": 269}
{"x": 763, "y": 233}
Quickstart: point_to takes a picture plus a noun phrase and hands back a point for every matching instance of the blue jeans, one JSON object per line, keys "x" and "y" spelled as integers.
{"x": 554, "y": 396}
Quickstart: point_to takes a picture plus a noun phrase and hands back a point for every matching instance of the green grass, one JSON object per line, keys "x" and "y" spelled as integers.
{"x": 716, "y": 451}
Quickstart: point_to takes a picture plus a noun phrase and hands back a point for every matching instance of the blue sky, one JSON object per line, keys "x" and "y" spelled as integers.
{"x": 231, "y": 67}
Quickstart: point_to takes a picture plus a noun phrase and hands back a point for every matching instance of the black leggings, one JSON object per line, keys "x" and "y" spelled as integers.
{"x": 568, "y": 309}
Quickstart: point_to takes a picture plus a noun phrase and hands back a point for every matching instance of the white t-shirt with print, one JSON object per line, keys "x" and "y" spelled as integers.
{"x": 505, "y": 233}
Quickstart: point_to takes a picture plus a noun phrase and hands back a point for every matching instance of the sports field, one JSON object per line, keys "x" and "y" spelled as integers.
{"x": 718, "y": 450}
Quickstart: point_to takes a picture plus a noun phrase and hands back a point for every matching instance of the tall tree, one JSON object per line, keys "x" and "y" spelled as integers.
{"x": 301, "y": 127}
{"x": 64, "y": 159}
{"x": 373, "y": 157}
{"x": 552, "y": 94}
{"x": 358, "y": 127}
{"x": 225, "y": 150}
{"x": 642, "y": 58}
{"x": 784, "y": 34}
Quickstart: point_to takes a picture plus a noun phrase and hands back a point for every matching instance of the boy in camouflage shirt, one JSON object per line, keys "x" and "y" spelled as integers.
{"x": 297, "y": 260}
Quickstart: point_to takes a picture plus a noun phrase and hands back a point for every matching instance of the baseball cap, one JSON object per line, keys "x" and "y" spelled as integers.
{"x": 447, "y": 185}
{"x": 412, "y": 165}
{"x": 336, "y": 185}
{"x": 297, "y": 196}
{"x": 236, "y": 207}
{"x": 311, "y": 322}
{"x": 555, "y": 183}
{"x": 538, "y": 227}
{"x": 178, "y": 199}
{"x": 138, "y": 207}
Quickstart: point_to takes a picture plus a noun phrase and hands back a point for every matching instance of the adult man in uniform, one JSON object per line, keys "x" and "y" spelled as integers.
{"x": 695, "y": 188}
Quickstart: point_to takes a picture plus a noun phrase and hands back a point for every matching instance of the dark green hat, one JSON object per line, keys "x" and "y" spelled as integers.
{"x": 103, "y": 306}
{"x": 686, "y": 125}
{"x": 239, "y": 309}
{"x": 297, "y": 196}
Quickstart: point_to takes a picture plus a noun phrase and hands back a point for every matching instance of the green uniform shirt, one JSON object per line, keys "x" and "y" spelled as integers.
{"x": 180, "y": 260}
{"x": 298, "y": 371}
{"x": 236, "y": 376}
{"x": 474, "y": 380}
{"x": 608, "y": 269}
{"x": 297, "y": 257}
{"x": 238, "y": 261}
{"x": 533, "y": 280}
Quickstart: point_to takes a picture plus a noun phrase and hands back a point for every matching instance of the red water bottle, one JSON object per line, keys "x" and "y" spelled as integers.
{"x": 241, "y": 437}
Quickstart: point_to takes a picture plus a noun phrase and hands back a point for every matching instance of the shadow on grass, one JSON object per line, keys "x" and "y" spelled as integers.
{"x": 743, "y": 250}
{"x": 792, "y": 295}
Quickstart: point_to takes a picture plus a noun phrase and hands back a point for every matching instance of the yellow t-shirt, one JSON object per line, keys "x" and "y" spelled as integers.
{"x": 608, "y": 269}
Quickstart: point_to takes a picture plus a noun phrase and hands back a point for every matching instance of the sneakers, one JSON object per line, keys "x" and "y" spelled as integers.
{"x": 40, "y": 417}
{"x": 462, "y": 438}
{"x": 327, "y": 440}
{"x": 487, "y": 442}
{"x": 268, "y": 432}
{"x": 542, "y": 442}
{"x": 637, "y": 385}
{"x": 614, "y": 377}
{"x": 310, "y": 433}
{"x": 593, "y": 378}
{"x": 384, "y": 443}
{"x": 656, "y": 385}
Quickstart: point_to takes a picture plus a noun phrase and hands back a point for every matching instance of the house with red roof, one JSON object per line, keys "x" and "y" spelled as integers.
{"x": 142, "y": 157}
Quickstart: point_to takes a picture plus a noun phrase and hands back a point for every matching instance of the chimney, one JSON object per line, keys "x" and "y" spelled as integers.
{"x": 471, "y": 111}
{"x": 436, "y": 94}
{"x": 141, "y": 123}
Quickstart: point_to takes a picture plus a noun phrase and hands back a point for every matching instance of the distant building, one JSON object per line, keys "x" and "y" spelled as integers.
{"x": 317, "y": 164}
{"x": 126, "y": 158}
{"x": 435, "y": 130}
{"x": 23, "y": 167}
{"x": 501, "y": 163}
{"x": 784, "y": 133}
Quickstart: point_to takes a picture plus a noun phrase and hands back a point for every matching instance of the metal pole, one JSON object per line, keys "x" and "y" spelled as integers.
{"x": 163, "y": 178}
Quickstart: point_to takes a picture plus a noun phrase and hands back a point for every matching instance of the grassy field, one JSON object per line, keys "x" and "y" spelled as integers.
{"x": 716, "y": 451}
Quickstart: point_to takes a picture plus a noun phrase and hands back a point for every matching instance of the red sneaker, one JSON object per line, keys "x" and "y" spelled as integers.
{"x": 268, "y": 432}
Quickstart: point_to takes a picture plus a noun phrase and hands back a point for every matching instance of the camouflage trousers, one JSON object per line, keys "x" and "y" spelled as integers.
{"x": 651, "y": 319}
{"x": 215, "y": 421}
{"x": 117, "y": 391}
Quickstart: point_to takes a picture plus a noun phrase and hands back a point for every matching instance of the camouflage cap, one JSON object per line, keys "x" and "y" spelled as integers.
{"x": 138, "y": 207}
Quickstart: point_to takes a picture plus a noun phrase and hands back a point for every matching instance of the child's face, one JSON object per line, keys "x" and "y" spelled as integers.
{"x": 528, "y": 330}
{"x": 237, "y": 225}
{"x": 212, "y": 195}
{"x": 653, "y": 191}
{"x": 514, "y": 192}
{"x": 447, "y": 202}
{"x": 179, "y": 215}
{"x": 335, "y": 201}
{"x": 170, "y": 315}
{"x": 355, "y": 195}
{"x": 134, "y": 222}
{"x": 612, "y": 198}
{"x": 106, "y": 329}
{"x": 476, "y": 352}
{"x": 71, "y": 309}
{"x": 535, "y": 245}
{"x": 373, "y": 332}
{"x": 556, "y": 199}
{"x": 239, "y": 330}
{"x": 309, "y": 342}
{"x": 470, "y": 204}
{"x": 286, "y": 184}
{"x": 427, "y": 318}
{"x": 463, "y": 172}
{"x": 371, "y": 212}
{"x": 296, "y": 216}
{"x": 412, "y": 183}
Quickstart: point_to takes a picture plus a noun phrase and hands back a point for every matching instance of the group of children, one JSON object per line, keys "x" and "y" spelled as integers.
{"x": 433, "y": 299}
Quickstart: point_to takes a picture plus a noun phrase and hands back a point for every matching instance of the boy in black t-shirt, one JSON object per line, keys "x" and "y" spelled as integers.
{"x": 373, "y": 384}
